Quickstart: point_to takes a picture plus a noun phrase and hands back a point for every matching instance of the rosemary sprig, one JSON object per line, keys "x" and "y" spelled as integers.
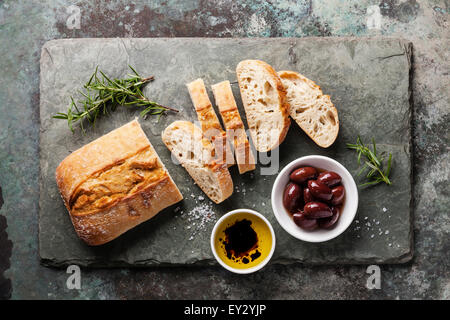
{"x": 103, "y": 94}
{"x": 374, "y": 163}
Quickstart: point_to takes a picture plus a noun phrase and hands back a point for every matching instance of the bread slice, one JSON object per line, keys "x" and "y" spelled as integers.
{"x": 113, "y": 184}
{"x": 234, "y": 126}
{"x": 310, "y": 108}
{"x": 209, "y": 122}
{"x": 196, "y": 154}
{"x": 264, "y": 100}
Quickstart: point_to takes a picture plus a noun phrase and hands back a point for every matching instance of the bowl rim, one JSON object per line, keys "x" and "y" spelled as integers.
{"x": 246, "y": 270}
{"x": 289, "y": 166}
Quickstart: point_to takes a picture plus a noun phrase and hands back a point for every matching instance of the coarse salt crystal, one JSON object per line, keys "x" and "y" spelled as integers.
{"x": 198, "y": 217}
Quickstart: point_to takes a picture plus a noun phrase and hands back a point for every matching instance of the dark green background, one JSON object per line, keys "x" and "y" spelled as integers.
{"x": 26, "y": 25}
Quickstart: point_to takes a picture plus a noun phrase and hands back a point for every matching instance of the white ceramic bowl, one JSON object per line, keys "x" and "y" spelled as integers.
{"x": 348, "y": 211}
{"x": 219, "y": 224}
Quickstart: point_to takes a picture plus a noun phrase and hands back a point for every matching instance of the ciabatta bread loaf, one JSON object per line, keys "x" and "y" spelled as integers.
{"x": 234, "y": 127}
{"x": 196, "y": 154}
{"x": 310, "y": 108}
{"x": 265, "y": 105}
{"x": 209, "y": 122}
{"x": 113, "y": 184}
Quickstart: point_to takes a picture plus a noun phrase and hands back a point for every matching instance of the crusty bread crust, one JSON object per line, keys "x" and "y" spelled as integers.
{"x": 103, "y": 226}
{"x": 99, "y": 226}
{"x": 234, "y": 125}
{"x": 209, "y": 122}
{"x": 95, "y": 156}
{"x": 310, "y": 108}
{"x": 194, "y": 152}
{"x": 279, "y": 115}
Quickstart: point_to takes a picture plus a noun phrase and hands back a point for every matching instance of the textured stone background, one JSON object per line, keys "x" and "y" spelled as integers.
{"x": 26, "y": 25}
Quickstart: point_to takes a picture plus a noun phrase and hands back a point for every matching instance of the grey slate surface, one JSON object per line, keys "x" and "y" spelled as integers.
{"x": 368, "y": 80}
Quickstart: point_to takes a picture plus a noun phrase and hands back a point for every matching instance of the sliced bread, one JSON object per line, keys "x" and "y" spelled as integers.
{"x": 234, "y": 126}
{"x": 264, "y": 100}
{"x": 196, "y": 154}
{"x": 209, "y": 122}
{"x": 310, "y": 108}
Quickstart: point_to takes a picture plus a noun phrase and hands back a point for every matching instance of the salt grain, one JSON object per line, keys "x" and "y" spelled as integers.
{"x": 198, "y": 218}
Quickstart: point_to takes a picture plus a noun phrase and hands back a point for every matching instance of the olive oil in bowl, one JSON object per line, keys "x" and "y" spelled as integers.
{"x": 243, "y": 241}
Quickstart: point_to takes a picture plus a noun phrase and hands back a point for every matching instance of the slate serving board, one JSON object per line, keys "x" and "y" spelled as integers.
{"x": 368, "y": 80}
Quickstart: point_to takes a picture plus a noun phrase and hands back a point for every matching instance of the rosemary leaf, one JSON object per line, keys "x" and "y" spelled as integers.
{"x": 103, "y": 94}
{"x": 373, "y": 162}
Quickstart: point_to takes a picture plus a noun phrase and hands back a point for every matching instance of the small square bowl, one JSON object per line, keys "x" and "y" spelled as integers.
{"x": 349, "y": 208}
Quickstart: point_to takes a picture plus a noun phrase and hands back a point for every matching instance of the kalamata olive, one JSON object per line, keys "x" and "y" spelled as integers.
{"x": 329, "y": 178}
{"x": 328, "y": 223}
{"x": 319, "y": 190}
{"x": 307, "y": 224}
{"x": 292, "y": 196}
{"x": 298, "y": 217}
{"x": 307, "y": 196}
{"x": 303, "y": 174}
{"x": 316, "y": 209}
{"x": 338, "y": 195}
